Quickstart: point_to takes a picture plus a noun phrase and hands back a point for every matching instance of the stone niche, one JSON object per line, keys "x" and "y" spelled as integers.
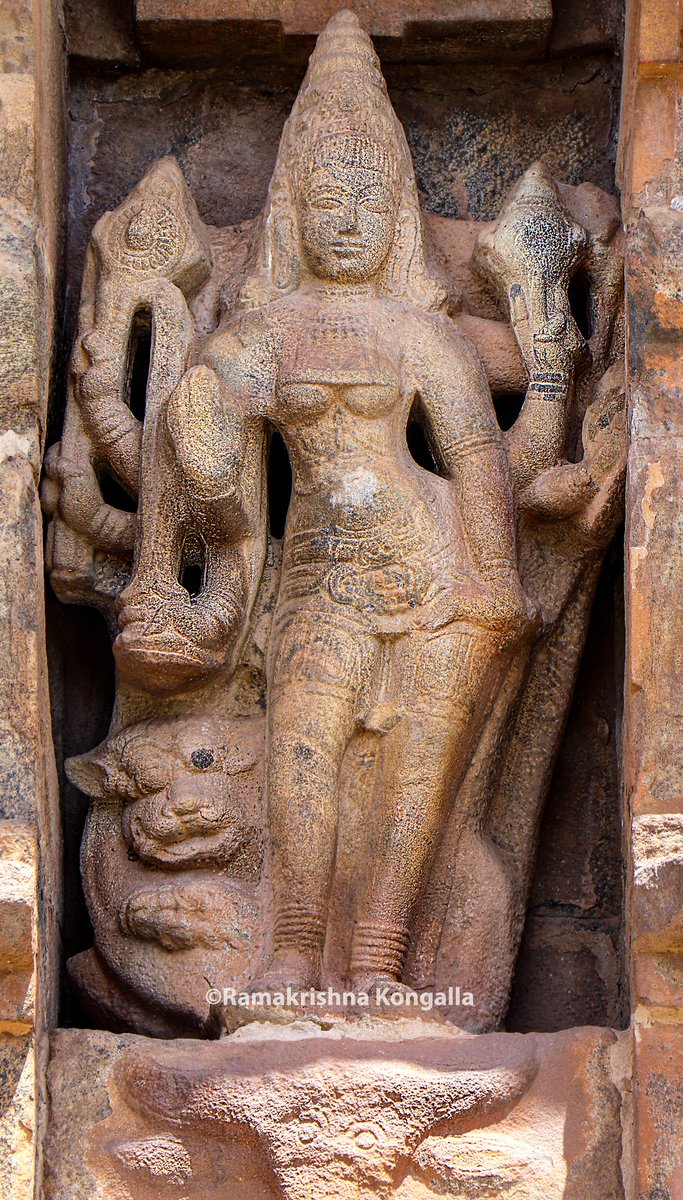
{"x": 355, "y": 330}
{"x": 472, "y": 134}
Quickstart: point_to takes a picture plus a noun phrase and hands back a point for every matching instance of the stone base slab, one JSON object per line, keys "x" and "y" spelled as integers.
{"x": 380, "y": 1108}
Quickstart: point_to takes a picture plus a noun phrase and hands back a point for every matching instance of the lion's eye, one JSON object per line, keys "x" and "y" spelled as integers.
{"x": 202, "y": 759}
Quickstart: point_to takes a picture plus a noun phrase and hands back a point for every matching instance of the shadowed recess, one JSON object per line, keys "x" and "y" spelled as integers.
{"x": 139, "y": 358}
{"x": 192, "y": 566}
{"x": 114, "y": 493}
{"x": 580, "y": 303}
{"x": 279, "y": 485}
{"x": 508, "y": 406}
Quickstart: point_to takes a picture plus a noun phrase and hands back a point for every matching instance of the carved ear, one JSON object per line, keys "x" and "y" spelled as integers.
{"x": 89, "y": 772}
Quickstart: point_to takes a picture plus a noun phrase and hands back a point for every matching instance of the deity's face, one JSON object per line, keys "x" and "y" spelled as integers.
{"x": 347, "y": 221}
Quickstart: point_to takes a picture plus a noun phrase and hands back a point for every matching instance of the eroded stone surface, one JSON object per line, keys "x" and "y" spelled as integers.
{"x": 658, "y": 1071}
{"x": 18, "y": 934}
{"x": 18, "y": 1117}
{"x": 650, "y": 157}
{"x": 31, "y": 163}
{"x": 406, "y": 668}
{"x": 408, "y": 1114}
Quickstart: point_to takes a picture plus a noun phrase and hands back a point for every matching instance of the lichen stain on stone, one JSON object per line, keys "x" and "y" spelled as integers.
{"x": 657, "y": 840}
{"x": 14, "y": 445}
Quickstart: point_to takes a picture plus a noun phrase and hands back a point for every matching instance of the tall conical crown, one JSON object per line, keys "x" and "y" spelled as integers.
{"x": 342, "y": 114}
{"x": 344, "y": 93}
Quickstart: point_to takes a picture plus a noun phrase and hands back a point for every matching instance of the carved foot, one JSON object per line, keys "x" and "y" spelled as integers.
{"x": 288, "y": 969}
{"x": 277, "y": 994}
{"x": 384, "y": 992}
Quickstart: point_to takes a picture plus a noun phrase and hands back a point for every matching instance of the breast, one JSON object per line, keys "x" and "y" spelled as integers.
{"x": 305, "y": 401}
{"x": 371, "y": 399}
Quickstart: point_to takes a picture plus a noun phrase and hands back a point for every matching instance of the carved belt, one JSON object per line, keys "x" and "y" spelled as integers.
{"x": 392, "y": 588}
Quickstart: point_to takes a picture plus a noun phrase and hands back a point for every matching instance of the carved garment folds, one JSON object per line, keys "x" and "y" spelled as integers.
{"x": 328, "y": 759}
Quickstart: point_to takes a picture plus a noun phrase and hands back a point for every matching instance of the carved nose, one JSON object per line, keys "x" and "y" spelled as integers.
{"x": 350, "y": 219}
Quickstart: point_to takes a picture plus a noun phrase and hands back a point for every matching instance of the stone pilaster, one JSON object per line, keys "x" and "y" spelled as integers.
{"x": 651, "y": 157}
{"x": 31, "y": 206}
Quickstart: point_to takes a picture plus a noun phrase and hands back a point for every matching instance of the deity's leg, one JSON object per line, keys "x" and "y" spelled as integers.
{"x": 314, "y": 677}
{"x": 446, "y": 680}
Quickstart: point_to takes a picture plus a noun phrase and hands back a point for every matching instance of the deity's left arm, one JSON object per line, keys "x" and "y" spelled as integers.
{"x": 451, "y": 382}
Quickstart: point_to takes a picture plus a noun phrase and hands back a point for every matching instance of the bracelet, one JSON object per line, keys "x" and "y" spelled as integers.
{"x": 549, "y": 385}
{"x": 499, "y": 567}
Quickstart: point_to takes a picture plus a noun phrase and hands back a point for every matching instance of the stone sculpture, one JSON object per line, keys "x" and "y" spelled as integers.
{"x": 328, "y": 760}
{"x": 412, "y": 1115}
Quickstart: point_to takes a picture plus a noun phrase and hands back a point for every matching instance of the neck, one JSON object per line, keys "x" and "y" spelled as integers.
{"x": 337, "y": 290}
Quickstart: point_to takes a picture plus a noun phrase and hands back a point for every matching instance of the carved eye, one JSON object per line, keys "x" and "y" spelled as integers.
{"x": 375, "y": 204}
{"x": 203, "y": 759}
{"x": 326, "y": 201}
{"x": 366, "y": 1137}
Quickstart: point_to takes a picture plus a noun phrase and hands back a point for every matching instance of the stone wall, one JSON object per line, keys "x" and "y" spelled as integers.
{"x": 132, "y": 99}
{"x": 651, "y": 157}
{"x": 31, "y": 243}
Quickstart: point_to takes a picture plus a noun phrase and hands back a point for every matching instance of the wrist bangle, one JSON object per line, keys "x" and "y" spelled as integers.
{"x": 549, "y": 385}
{"x": 501, "y": 568}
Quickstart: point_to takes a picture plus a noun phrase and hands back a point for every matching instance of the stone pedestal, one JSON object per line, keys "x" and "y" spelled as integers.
{"x": 393, "y": 1108}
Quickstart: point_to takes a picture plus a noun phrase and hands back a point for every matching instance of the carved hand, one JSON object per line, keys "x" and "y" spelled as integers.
{"x": 501, "y": 606}
{"x": 559, "y": 492}
{"x": 168, "y": 640}
{"x": 511, "y": 611}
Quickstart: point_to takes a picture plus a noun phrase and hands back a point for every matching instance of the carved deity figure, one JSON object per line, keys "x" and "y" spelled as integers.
{"x": 399, "y": 589}
{"x": 400, "y": 643}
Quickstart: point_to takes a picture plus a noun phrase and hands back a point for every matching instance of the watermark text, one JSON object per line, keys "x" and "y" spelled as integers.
{"x": 385, "y": 996}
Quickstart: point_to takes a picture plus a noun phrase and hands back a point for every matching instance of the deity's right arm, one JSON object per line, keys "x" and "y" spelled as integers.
{"x": 451, "y": 382}
{"x": 216, "y": 427}
{"x": 537, "y": 441}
